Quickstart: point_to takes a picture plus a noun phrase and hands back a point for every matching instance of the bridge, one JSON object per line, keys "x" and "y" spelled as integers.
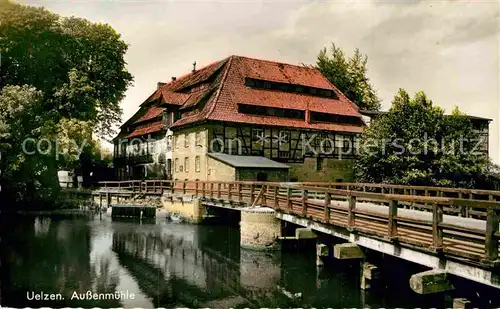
{"x": 452, "y": 230}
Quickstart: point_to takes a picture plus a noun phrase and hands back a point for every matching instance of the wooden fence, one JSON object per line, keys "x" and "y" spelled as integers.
{"x": 456, "y": 222}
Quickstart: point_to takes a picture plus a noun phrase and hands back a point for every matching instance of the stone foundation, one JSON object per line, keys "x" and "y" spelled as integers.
{"x": 259, "y": 229}
{"x": 191, "y": 209}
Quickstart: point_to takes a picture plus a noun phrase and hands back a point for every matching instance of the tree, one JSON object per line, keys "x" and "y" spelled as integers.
{"x": 77, "y": 65}
{"x": 61, "y": 79}
{"x": 27, "y": 173}
{"x": 416, "y": 144}
{"x": 349, "y": 75}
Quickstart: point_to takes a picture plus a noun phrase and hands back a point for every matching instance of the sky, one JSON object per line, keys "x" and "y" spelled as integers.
{"x": 449, "y": 50}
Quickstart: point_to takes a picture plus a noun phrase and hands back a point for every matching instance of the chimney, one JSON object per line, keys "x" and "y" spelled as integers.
{"x": 159, "y": 85}
{"x": 194, "y": 67}
{"x": 174, "y": 78}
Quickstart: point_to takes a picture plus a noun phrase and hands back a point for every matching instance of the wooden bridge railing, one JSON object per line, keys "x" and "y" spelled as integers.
{"x": 377, "y": 214}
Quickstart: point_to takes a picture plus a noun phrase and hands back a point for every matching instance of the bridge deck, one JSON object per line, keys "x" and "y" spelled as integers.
{"x": 458, "y": 223}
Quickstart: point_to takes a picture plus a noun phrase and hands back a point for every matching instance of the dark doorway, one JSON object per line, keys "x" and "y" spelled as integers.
{"x": 261, "y": 176}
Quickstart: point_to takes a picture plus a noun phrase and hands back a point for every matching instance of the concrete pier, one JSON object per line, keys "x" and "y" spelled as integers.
{"x": 432, "y": 281}
{"x": 461, "y": 303}
{"x": 369, "y": 274}
{"x": 259, "y": 229}
{"x": 347, "y": 251}
{"x": 322, "y": 252}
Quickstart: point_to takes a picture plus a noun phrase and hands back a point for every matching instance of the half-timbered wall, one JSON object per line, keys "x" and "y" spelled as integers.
{"x": 289, "y": 145}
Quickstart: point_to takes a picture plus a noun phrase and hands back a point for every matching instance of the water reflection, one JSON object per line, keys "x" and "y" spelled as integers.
{"x": 169, "y": 265}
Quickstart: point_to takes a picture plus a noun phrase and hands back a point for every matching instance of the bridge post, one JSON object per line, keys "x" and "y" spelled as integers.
{"x": 491, "y": 244}
{"x": 304, "y": 202}
{"x": 288, "y": 197}
{"x": 437, "y": 230}
{"x": 240, "y": 195}
{"x": 259, "y": 229}
{"x": 328, "y": 198}
{"x": 275, "y": 196}
{"x": 203, "y": 189}
{"x": 252, "y": 189}
{"x": 393, "y": 226}
{"x": 351, "y": 217}
{"x": 229, "y": 193}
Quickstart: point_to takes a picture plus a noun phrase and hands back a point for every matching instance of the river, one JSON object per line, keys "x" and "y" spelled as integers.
{"x": 162, "y": 264}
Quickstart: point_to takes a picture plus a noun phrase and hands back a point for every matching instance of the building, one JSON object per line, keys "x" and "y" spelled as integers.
{"x": 480, "y": 126}
{"x": 243, "y": 119}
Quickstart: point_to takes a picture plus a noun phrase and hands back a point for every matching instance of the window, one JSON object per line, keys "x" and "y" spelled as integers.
{"x": 169, "y": 143}
{"x": 197, "y": 138}
{"x": 339, "y": 141}
{"x": 271, "y": 111}
{"x": 257, "y": 135}
{"x": 249, "y": 82}
{"x": 186, "y": 140}
{"x": 186, "y": 164}
{"x": 197, "y": 164}
{"x": 347, "y": 144}
{"x": 152, "y": 147}
{"x": 176, "y": 142}
{"x": 283, "y": 137}
{"x": 176, "y": 165}
{"x": 319, "y": 164}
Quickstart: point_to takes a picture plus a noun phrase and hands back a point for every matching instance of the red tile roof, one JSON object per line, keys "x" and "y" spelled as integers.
{"x": 151, "y": 113}
{"x": 153, "y": 127}
{"x": 223, "y": 83}
{"x": 169, "y": 92}
{"x": 231, "y": 91}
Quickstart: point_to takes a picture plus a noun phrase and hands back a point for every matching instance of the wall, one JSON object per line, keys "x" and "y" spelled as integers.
{"x": 217, "y": 170}
{"x": 272, "y": 174}
{"x": 180, "y": 152}
{"x": 259, "y": 229}
{"x": 332, "y": 170}
{"x": 192, "y": 211}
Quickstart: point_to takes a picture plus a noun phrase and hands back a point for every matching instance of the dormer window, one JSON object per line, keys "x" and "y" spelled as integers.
{"x": 288, "y": 87}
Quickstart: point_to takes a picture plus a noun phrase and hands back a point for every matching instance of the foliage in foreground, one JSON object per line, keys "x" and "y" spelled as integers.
{"x": 416, "y": 144}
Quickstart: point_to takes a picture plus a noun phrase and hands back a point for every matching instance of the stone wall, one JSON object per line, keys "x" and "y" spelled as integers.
{"x": 191, "y": 210}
